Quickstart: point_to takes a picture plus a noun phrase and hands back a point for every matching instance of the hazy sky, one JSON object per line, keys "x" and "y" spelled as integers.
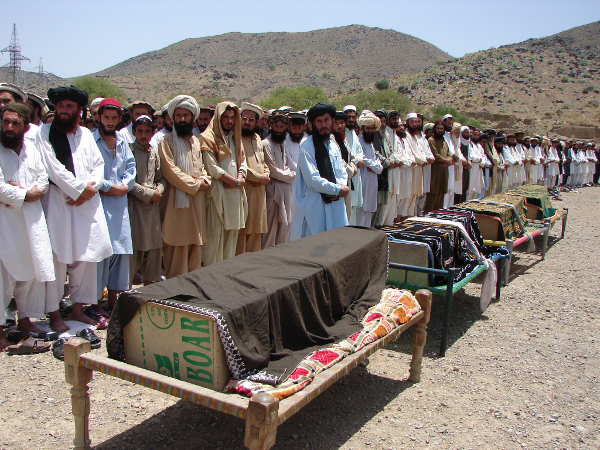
{"x": 80, "y": 37}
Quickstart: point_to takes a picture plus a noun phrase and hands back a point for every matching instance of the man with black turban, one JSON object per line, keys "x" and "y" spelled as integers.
{"x": 321, "y": 180}
{"x": 76, "y": 221}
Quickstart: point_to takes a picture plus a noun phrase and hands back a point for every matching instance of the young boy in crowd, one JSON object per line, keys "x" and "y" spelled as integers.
{"x": 144, "y": 209}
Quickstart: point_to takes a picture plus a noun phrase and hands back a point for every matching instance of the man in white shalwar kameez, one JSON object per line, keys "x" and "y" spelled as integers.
{"x": 357, "y": 154}
{"x": 414, "y": 141}
{"x": 25, "y": 254}
{"x": 362, "y": 215}
{"x": 406, "y": 172}
{"x": 321, "y": 180}
{"x": 74, "y": 213}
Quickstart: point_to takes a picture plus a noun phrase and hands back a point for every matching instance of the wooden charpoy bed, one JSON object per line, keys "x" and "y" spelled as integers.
{"x": 341, "y": 251}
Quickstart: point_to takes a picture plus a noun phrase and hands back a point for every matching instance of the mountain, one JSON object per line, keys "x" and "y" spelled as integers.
{"x": 242, "y": 66}
{"x": 548, "y": 85}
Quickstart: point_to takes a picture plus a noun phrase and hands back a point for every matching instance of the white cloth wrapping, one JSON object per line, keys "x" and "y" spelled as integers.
{"x": 491, "y": 274}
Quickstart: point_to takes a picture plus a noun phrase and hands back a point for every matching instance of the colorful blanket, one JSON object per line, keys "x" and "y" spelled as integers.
{"x": 395, "y": 308}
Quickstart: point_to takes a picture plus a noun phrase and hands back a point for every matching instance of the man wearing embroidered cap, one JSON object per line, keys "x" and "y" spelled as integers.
{"x": 74, "y": 213}
{"x": 369, "y": 124}
{"x": 10, "y": 93}
{"x": 227, "y": 209}
{"x": 118, "y": 179}
{"x": 322, "y": 181}
{"x": 183, "y": 210}
{"x": 249, "y": 237}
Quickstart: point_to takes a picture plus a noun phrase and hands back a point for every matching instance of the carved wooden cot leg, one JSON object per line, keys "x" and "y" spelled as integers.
{"x": 262, "y": 418}
{"x": 420, "y": 335}
{"x": 79, "y": 377}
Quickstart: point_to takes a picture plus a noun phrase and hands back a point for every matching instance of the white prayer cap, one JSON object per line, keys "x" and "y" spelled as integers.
{"x": 96, "y": 101}
{"x": 252, "y": 107}
{"x": 369, "y": 119}
{"x": 447, "y": 116}
{"x": 186, "y": 102}
{"x": 411, "y": 116}
{"x": 463, "y": 128}
{"x": 144, "y": 117}
{"x": 13, "y": 88}
{"x": 349, "y": 108}
{"x": 428, "y": 126}
{"x": 364, "y": 112}
{"x": 286, "y": 109}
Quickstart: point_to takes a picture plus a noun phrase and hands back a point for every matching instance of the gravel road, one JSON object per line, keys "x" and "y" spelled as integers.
{"x": 522, "y": 375}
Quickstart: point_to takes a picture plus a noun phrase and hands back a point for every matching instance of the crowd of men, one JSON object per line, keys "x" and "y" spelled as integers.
{"x": 134, "y": 192}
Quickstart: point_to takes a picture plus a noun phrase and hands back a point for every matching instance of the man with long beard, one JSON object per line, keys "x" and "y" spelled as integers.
{"x": 74, "y": 213}
{"x": 249, "y": 237}
{"x": 227, "y": 209}
{"x": 279, "y": 190}
{"x": 322, "y": 180}
{"x": 25, "y": 253}
{"x": 416, "y": 147}
{"x": 356, "y": 150}
{"x": 183, "y": 210}
{"x": 339, "y": 133}
{"x": 406, "y": 171}
{"x": 294, "y": 138}
{"x": 362, "y": 215}
{"x": 448, "y": 121}
{"x": 119, "y": 176}
{"x": 439, "y": 172}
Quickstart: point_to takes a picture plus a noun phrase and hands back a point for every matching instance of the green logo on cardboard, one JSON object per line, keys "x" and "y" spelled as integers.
{"x": 160, "y": 317}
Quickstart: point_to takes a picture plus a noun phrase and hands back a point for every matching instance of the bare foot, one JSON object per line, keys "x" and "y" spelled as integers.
{"x": 100, "y": 310}
{"x": 56, "y": 322}
{"x": 80, "y": 316}
{"x": 26, "y": 325}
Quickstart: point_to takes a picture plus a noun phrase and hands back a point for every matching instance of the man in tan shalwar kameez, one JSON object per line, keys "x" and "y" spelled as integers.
{"x": 249, "y": 237}
{"x": 183, "y": 209}
{"x": 227, "y": 208}
{"x": 279, "y": 191}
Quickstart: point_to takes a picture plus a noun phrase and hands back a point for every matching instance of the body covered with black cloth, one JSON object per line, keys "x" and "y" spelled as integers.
{"x": 275, "y": 306}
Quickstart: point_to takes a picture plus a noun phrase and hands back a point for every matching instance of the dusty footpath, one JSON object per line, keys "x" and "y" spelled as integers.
{"x": 522, "y": 375}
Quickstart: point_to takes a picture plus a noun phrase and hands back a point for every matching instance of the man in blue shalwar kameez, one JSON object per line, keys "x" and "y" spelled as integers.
{"x": 119, "y": 176}
{"x": 321, "y": 179}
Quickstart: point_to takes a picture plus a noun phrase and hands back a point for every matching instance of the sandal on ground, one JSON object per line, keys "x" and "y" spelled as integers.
{"x": 90, "y": 336}
{"x": 57, "y": 348}
{"x": 27, "y": 346}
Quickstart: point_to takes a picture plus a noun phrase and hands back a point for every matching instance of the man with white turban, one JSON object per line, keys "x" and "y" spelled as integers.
{"x": 183, "y": 210}
{"x": 369, "y": 123}
{"x": 227, "y": 209}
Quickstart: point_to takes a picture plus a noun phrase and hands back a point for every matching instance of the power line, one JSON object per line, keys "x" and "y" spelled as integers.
{"x": 14, "y": 49}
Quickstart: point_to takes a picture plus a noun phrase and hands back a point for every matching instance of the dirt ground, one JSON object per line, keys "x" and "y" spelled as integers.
{"x": 522, "y": 375}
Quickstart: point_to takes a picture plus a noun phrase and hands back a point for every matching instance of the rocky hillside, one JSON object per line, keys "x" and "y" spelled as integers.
{"x": 249, "y": 65}
{"x": 549, "y": 85}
